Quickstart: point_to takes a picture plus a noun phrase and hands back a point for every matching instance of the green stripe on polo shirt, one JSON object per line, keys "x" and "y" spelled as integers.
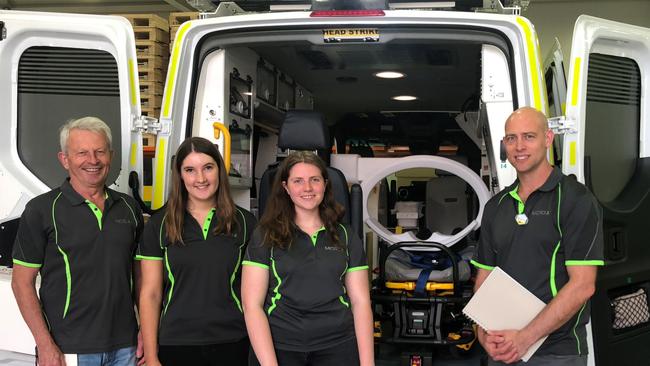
{"x": 481, "y": 266}
{"x": 255, "y": 264}
{"x": 130, "y": 209}
{"x": 344, "y": 302}
{"x": 552, "y": 279}
{"x": 575, "y": 334}
{"x": 354, "y": 269}
{"x": 27, "y": 264}
{"x": 314, "y": 236}
{"x": 171, "y": 282}
{"x": 584, "y": 263}
{"x": 234, "y": 272}
{"x": 206, "y": 223}
{"x": 97, "y": 212}
{"x": 56, "y": 231}
{"x": 148, "y": 258}
{"x": 277, "y": 294}
{"x": 557, "y": 246}
{"x": 520, "y": 202}
{"x": 68, "y": 280}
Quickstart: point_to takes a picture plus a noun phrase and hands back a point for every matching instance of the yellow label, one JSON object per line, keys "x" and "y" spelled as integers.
{"x": 351, "y": 35}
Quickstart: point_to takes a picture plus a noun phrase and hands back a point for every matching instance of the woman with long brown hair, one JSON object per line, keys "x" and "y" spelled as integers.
{"x": 191, "y": 254}
{"x": 305, "y": 279}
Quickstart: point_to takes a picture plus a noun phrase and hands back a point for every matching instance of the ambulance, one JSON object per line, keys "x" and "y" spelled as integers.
{"x": 418, "y": 85}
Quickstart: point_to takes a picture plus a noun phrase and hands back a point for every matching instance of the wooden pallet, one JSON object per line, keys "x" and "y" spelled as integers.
{"x": 151, "y": 48}
{"x": 151, "y": 75}
{"x": 151, "y": 112}
{"x": 148, "y": 139}
{"x": 180, "y": 18}
{"x": 151, "y": 88}
{"x": 172, "y": 34}
{"x": 150, "y": 101}
{"x": 152, "y": 62}
{"x": 151, "y": 34}
{"x": 147, "y": 20}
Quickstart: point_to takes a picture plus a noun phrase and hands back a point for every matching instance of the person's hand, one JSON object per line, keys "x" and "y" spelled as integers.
{"x": 489, "y": 342}
{"x": 514, "y": 344}
{"x": 139, "y": 350}
{"x": 155, "y": 362}
{"x": 49, "y": 354}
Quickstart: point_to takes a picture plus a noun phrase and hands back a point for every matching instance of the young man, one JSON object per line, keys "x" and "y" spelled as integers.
{"x": 81, "y": 237}
{"x": 545, "y": 230}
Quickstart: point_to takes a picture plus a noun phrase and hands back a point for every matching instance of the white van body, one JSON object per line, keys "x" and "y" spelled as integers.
{"x": 505, "y": 72}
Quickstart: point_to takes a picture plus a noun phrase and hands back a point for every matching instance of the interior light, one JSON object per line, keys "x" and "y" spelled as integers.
{"x": 404, "y": 98}
{"x": 389, "y": 75}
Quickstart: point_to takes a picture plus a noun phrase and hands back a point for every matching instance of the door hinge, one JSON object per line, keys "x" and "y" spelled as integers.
{"x": 562, "y": 125}
{"x": 3, "y": 31}
{"x": 142, "y": 123}
{"x": 159, "y": 126}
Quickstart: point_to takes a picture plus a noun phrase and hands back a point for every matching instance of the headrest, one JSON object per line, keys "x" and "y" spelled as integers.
{"x": 304, "y": 130}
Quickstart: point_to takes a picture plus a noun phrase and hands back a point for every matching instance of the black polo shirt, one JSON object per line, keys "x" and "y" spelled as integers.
{"x": 85, "y": 258}
{"x": 202, "y": 279}
{"x": 563, "y": 228}
{"x": 306, "y": 302}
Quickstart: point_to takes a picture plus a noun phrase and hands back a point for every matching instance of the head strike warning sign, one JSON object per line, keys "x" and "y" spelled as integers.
{"x": 351, "y": 35}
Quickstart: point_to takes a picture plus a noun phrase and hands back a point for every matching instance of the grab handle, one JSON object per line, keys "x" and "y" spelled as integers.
{"x": 218, "y": 129}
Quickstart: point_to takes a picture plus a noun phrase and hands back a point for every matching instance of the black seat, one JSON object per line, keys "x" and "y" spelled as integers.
{"x": 306, "y": 130}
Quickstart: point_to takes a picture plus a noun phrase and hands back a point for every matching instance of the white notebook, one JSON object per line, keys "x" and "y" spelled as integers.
{"x": 502, "y": 303}
{"x": 70, "y": 359}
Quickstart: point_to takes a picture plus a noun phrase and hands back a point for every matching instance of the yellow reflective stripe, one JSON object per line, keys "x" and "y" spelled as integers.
{"x": 134, "y": 150}
{"x": 533, "y": 62}
{"x": 577, "y": 64}
{"x": 173, "y": 65}
{"x": 159, "y": 182}
{"x": 573, "y": 153}
{"x": 132, "y": 77}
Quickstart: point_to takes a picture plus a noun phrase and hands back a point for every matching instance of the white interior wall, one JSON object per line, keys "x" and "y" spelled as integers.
{"x": 555, "y": 18}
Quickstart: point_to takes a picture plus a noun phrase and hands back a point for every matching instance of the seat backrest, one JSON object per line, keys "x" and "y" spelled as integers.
{"x": 446, "y": 204}
{"x": 306, "y": 130}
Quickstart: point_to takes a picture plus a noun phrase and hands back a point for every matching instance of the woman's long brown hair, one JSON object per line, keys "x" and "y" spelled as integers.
{"x": 278, "y": 220}
{"x": 177, "y": 203}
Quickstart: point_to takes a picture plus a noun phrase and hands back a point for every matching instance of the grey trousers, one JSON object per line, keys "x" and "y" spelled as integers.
{"x": 547, "y": 360}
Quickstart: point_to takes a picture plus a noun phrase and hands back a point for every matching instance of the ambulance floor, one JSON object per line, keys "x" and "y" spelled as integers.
{"x": 390, "y": 355}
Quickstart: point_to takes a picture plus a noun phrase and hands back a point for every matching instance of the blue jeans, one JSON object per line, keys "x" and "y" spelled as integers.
{"x": 548, "y": 360}
{"x": 118, "y": 357}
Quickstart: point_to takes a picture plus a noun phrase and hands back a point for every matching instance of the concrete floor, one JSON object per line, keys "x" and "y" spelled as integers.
{"x": 15, "y": 359}
{"x": 387, "y": 355}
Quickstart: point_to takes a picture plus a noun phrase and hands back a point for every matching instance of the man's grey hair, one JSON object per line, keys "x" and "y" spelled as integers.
{"x": 93, "y": 124}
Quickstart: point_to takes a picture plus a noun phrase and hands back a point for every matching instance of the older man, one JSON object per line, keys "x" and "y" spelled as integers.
{"x": 81, "y": 237}
{"x": 545, "y": 231}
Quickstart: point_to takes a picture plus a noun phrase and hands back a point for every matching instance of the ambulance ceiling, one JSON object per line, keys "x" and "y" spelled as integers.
{"x": 443, "y": 77}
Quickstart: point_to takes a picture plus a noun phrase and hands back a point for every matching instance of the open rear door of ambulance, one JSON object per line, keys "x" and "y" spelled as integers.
{"x": 608, "y": 149}
{"x": 53, "y": 68}
{"x": 57, "y": 67}
{"x": 555, "y": 79}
